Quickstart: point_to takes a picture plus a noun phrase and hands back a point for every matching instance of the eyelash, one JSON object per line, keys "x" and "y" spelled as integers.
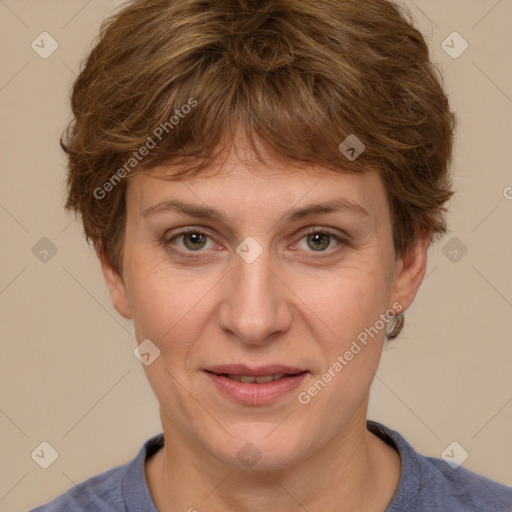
{"x": 190, "y": 254}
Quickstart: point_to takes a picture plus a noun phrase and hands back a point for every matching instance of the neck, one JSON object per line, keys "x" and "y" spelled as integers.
{"x": 353, "y": 471}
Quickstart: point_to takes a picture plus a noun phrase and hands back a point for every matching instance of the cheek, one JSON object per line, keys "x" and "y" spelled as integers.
{"x": 169, "y": 308}
{"x": 348, "y": 302}
{"x": 361, "y": 324}
{"x": 353, "y": 343}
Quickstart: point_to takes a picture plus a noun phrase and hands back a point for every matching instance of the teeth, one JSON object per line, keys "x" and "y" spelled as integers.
{"x": 260, "y": 380}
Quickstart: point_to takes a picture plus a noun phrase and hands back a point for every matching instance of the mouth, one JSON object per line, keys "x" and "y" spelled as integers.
{"x": 259, "y": 374}
{"x": 262, "y": 379}
{"x": 255, "y": 385}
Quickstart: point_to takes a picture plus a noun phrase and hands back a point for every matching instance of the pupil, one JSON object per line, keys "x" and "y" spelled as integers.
{"x": 315, "y": 237}
{"x": 194, "y": 237}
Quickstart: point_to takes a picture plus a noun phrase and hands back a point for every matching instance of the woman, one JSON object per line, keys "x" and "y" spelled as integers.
{"x": 261, "y": 182}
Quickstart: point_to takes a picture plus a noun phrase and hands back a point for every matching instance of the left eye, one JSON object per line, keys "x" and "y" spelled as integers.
{"x": 320, "y": 239}
{"x": 195, "y": 240}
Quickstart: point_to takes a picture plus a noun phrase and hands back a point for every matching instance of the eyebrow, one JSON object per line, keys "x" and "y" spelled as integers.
{"x": 206, "y": 212}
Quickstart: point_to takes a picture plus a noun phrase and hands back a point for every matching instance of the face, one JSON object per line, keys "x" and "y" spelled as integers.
{"x": 302, "y": 295}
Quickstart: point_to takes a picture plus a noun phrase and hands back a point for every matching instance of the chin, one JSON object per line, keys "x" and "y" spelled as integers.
{"x": 259, "y": 448}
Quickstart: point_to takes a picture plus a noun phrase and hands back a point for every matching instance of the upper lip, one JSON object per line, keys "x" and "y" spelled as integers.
{"x": 254, "y": 371}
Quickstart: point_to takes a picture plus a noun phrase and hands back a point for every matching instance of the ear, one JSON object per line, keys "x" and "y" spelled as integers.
{"x": 115, "y": 285}
{"x": 410, "y": 271}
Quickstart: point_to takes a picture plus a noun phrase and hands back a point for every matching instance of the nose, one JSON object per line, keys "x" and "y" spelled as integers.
{"x": 256, "y": 305}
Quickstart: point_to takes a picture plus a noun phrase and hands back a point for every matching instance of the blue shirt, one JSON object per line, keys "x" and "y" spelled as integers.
{"x": 427, "y": 484}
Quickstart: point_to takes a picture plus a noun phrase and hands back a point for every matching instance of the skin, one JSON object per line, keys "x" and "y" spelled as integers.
{"x": 282, "y": 308}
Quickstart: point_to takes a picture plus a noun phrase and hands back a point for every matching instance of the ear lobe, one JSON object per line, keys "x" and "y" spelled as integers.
{"x": 115, "y": 285}
{"x": 410, "y": 271}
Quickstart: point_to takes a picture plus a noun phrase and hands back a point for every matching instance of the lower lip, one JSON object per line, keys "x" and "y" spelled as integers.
{"x": 252, "y": 393}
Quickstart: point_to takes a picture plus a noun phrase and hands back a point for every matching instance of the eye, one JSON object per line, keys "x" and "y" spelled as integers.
{"x": 194, "y": 240}
{"x": 320, "y": 240}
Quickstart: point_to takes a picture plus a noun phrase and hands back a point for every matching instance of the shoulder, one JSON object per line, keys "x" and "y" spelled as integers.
{"x": 430, "y": 483}
{"x": 111, "y": 490}
{"x": 102, "y": 492}
{"x": 458, "y": 488}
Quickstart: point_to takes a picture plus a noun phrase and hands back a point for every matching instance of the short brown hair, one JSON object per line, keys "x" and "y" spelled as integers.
{"x": 297, "y": 75}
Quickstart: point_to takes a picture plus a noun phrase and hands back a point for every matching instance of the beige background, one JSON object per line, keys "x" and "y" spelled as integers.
{"x": 68, "y": 373}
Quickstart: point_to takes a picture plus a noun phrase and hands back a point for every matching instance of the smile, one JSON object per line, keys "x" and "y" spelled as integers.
{"x": 255, "y": 389}
{"x": 250, "y": 378}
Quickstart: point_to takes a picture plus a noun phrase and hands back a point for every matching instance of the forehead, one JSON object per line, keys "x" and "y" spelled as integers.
{"x": 238, "y": 184}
